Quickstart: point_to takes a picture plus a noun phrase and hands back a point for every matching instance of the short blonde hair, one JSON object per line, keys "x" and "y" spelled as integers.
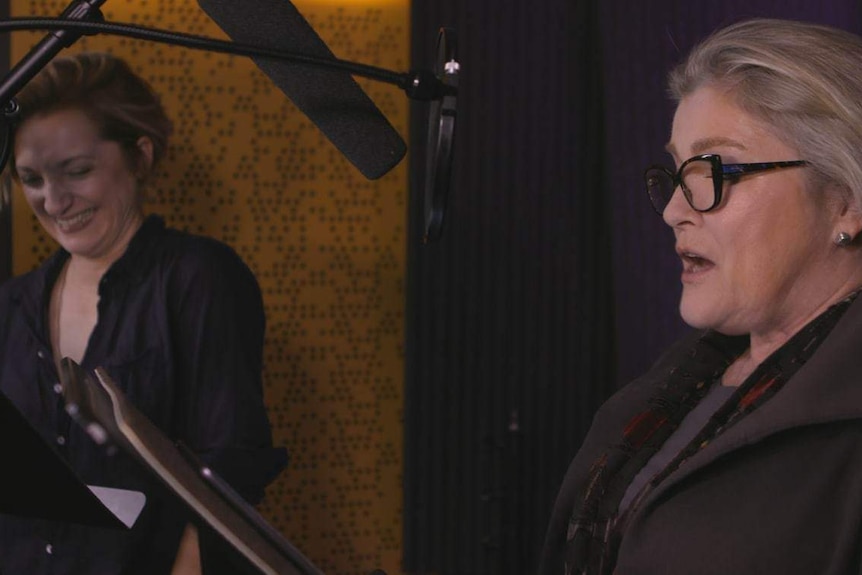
{"x": 123, "y": 105}
{"x": 802, "y": 79}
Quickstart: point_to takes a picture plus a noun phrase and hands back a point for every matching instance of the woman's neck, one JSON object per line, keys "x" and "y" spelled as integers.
{"x": 764, "y": 344}
{"x": 86, "y": 272}
{"x": 90, "y": 269}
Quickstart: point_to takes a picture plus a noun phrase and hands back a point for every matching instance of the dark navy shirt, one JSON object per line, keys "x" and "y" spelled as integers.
{"x": 180, "y": 330}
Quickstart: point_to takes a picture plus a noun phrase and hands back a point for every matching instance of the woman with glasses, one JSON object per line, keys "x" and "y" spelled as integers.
{"x": 741, "y": 450}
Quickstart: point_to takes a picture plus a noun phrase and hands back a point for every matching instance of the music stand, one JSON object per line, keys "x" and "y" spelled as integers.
{"x": 96, "y": 403}
{"x": 37, "y": 483}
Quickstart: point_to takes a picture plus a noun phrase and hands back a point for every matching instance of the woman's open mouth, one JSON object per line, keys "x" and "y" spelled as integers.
{"x": 694, "y": 264}
{"x": 76, "y": 222}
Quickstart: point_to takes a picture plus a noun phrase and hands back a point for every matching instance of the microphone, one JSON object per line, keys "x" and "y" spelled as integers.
{"x": 331, "y": 99}
{"x": 35, "y": 60}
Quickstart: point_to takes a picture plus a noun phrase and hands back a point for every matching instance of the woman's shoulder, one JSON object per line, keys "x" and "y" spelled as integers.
{"x": 640, "y": 389}
{"x": 17, "y": 284}
{"x": 192, "y": 253}
{"x": 13, "y": 291}
{"x": 29, "y": 284}
{"x": 193, "y": 248}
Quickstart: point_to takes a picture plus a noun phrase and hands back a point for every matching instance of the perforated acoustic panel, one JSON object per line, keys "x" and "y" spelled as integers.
{"x": 327, "y": 246}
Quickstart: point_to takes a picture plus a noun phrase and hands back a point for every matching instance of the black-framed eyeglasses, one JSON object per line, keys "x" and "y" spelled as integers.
{"x": 702, "y": 180}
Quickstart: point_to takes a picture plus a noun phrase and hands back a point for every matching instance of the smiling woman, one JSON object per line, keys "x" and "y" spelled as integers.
{"x": 175, "y": 319}
{"x": 81, "y": 187}
{"x": 741, "y": 450}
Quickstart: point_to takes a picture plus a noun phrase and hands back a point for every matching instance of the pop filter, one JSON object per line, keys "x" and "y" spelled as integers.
{"x": 7, "y": 117}
{"x": 331, "y": 99}
{"x": 441, "y": 133}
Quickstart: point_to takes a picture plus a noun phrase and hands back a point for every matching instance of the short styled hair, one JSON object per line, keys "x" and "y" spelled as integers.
{"x": 122, "y": 105}
{"x": 801, "y": 79}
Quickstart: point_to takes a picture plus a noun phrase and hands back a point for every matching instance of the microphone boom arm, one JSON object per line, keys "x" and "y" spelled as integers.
{"x": 45, "y": 50}
{"x": 438, "y": 86}
{"x": 417, "y": 84}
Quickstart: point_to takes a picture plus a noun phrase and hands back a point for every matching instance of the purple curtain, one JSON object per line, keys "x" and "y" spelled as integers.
{"x": 554, "y": 282}
{"x": 640, "y": 42}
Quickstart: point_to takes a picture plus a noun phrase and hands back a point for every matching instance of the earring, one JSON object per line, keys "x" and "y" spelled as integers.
{"x": 843, "y": 239}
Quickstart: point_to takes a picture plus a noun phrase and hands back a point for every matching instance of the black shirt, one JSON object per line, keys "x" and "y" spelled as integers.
{"x": 180, "y": 330}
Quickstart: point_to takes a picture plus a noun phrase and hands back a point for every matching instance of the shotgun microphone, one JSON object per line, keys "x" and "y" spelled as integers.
{"x": 331, "y": 99}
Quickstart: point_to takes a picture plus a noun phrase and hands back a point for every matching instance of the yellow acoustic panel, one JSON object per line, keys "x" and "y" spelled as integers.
{"x": 327, "y": 245}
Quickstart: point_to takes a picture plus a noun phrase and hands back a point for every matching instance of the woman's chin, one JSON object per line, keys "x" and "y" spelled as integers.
{"x": 696, "y": 312}
{"x": 78, "y": 247}
{"x": 83, "y": 242}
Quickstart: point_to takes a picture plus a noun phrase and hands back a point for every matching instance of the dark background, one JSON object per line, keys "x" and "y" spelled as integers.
{"x": 554, "y": 282}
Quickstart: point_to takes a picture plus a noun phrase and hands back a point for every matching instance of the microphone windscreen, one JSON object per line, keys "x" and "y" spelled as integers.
{"x": 330, "y": 98}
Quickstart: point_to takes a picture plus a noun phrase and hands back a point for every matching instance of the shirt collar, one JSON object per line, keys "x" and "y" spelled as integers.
{"x": 133, "y": 266}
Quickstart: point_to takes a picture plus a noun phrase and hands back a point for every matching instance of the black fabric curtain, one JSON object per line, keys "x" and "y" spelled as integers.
{"x": 554, "y": 282}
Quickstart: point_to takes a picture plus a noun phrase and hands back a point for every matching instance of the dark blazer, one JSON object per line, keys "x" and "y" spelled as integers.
{"x": 779, "y": 492}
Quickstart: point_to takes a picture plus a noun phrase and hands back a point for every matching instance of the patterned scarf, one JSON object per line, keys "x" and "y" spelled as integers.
{"x": 595, "y": 531}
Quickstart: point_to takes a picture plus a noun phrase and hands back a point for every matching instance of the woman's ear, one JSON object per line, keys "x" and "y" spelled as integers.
{"x": 144, "y": 157}
{"x": 849, "y": 216}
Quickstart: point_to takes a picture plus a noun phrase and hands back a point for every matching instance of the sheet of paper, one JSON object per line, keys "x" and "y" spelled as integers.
{"x": 125, "y": 504}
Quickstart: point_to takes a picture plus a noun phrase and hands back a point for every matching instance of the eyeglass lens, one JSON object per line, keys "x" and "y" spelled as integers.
{"x": 697, "y": 180}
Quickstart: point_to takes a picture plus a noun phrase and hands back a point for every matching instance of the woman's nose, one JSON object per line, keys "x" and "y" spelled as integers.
{"x": 677, "y": 209}
{"x": 56, "y": 199}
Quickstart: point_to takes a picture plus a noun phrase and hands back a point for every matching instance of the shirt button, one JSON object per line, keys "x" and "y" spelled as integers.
{"x": 58, "y": 389}
{"x": 41, "y": 354}
{"x": 49, "y": 549}
{"x": 61, "y": 440}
